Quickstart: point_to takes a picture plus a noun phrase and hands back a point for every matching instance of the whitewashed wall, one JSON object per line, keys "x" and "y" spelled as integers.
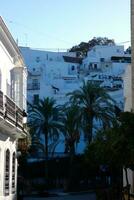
{"x": 7, "y": 143}
{"x": 6, "y": 64}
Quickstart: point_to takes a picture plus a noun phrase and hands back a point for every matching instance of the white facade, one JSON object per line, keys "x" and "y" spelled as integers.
{"x": 12, "y": 103}
{"x": 108, "y": 59}
{"x": 51, "y": 74}
{"x": 107, "y": 65}
{"x": 54, "y": 74}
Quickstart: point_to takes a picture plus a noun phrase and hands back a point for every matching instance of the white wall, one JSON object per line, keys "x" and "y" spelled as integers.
{"x": 6, "y": 143}
{"x": 32, "y": 55}
{"x": 106, "y": 51}
{"x": 6, "y": 64}
{"x": 49, "y": 69}
{"x": 107, "y": 66}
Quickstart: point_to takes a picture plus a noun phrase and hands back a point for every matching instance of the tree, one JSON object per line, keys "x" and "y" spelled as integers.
{"x": 45, "y": 119}
{"x": 128, "y": 50}
{"x": 115, "y": 146}
{"x": 71, "y": 127}
{"x": 84, "y": 47}
{"x": 71, "y": 130}
{"x": 95, "y": 104}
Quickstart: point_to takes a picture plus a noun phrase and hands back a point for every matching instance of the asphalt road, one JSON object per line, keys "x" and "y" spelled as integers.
{"x": 86, "y": 196}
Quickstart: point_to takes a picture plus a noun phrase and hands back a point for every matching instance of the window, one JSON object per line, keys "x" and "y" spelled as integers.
{"x": 102, "y": 59}
{"x": 15, "y": 84}
{"x": 95, "y": 66}
{"x": 13, "y": 173}
{"x": 90, "y": 66}
{"x": 8, "y": 88}
{"x": 35, "y": 84}
{"x": 37, "y": 59}
{"x": 36, "y": 99}
{"x": 7, "y": 172}
{"x": 73, "y": 67}
{"x": 118, "y": 50}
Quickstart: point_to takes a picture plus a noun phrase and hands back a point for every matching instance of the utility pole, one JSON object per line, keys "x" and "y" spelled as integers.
{"x": 132, "y": 53}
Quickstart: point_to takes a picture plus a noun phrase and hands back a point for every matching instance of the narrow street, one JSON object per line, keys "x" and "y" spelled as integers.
{"x": 87, "y": 196}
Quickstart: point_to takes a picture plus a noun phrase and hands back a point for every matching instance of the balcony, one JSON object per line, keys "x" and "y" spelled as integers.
{"x": 11, "y": 117}
{"x": 10, "y": 111}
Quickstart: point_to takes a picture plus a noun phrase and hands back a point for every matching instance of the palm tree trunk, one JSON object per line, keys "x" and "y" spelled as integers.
{"x": 71, "y": 158}
{"x": 46, "y": 159}
{"x": 90, "y": 133}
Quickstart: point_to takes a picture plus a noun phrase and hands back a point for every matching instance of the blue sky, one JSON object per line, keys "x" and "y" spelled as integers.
{"x": 64, "y": 23}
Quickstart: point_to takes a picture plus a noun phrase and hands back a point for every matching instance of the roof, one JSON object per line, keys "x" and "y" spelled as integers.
{"x": 9, "y": 42}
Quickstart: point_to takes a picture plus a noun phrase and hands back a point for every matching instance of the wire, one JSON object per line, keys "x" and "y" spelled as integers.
{"x": 38, "y": 32}
{"x": 124, "y": 42}
{"x": 48, "y": 35}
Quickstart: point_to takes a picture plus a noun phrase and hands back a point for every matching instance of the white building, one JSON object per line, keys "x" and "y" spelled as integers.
{"x": 106, "y": 65}
{"x": 110, "y": 58}
{"x": 54, "y": 74}
{"x": 12, "y": 103}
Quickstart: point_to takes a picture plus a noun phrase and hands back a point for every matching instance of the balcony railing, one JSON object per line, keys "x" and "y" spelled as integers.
{"x": 10, "y": 111}
{"x": 19, "y": 117}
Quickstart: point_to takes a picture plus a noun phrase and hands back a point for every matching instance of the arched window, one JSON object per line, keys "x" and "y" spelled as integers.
{"x": 7, "y": 172}
{"x": 13, "y": 173}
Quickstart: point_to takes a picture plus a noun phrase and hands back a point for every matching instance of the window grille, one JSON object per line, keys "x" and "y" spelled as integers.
{"x": 7, "y": 172}
{"x": 13, "y": 173}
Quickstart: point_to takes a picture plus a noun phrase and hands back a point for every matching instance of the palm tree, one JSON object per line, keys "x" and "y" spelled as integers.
{"x": 71, "y": 127}
{"x": 95, "y": 104}
{"x": 45, "y": 119}
{"x": 71, "y": 130}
